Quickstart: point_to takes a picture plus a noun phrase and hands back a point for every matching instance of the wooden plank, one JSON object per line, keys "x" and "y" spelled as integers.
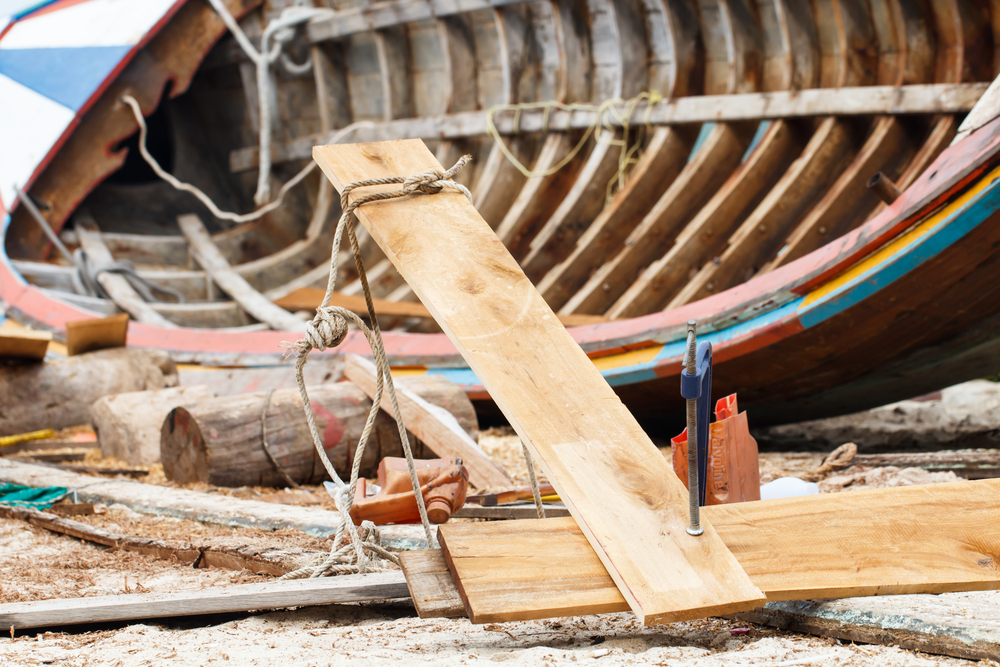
{"x": 309, "y": 298}
{"x": 430, "y": 584}
{"x": 252, "y": 301}
{"x": 24, "y": 343}
{"x": 815, "y": 102}
{"x": 205, "y": 507}
{"x": 963, "y": 626}
{"x": 434, "y": 425}
{"x": 612, "y": 478}
{"x": 215, "y": 600}
{"x": 96, "y": 334}
{"x": 918, "y": 539}
{"x": 117, "y": 286}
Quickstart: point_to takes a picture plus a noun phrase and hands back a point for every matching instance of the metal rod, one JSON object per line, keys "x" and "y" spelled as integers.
{"x": 883, "y": 186}
{"x": 43, "y": 223}
{"x": 692, "y": 432}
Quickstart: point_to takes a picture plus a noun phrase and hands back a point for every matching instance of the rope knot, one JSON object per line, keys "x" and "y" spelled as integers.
{"x": 428, "y": 182}
{"x": 327, "y": 329}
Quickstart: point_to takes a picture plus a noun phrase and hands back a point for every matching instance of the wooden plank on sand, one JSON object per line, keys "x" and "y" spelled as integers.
{"x": 917, "y": 539}
{"x": 617, "y": 485}
{"x": 215, "y": 600}
{"x": 437, "y": 427}
{"x": 431, "y": 587}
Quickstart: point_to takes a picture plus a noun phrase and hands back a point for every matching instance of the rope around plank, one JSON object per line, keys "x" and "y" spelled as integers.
{"x": 329, "y": 329}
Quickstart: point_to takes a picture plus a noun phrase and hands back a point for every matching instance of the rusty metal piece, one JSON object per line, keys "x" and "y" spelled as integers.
{"x": 883, "y": 186}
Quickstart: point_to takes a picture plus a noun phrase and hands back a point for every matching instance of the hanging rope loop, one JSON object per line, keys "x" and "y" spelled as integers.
{"x": 354, "y": 550}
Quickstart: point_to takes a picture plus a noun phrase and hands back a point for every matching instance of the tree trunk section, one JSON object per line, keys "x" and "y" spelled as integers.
{"x": 219, "y": 442}
{"x": 58, "y": 394}
{"x": 128, "y": 425}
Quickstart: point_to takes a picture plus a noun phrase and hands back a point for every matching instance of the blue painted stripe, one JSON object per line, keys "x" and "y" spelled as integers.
{"x": 68, "y": 76}
{"x": 703, "y": 133}
{"x": 761, "y": 130}
{"x": 463, "y": 377}
{"x": 945, "y": 234}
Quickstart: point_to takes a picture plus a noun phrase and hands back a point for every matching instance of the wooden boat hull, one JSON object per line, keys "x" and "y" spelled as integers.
{"x": 901, "y": 305}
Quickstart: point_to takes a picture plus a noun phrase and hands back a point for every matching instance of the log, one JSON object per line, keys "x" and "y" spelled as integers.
{"x": 219, "y": 441}
{"x": 128, "y": 425}
{"x": 59, "y": 393}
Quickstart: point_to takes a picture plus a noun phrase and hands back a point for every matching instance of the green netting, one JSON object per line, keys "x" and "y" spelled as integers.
{"x": 26, "y": 496}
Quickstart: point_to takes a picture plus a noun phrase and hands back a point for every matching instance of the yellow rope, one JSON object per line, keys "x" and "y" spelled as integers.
{"x": 615, "y": 109}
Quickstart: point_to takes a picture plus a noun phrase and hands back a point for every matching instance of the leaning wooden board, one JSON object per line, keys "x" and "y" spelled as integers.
{"x": 618, "y": 487}
{"x": 917, "y": 539}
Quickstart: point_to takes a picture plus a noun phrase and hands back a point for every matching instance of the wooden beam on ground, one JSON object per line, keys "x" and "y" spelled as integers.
{"x": 24, "y": 344}
{"x": 378, "y": 15}
{"x": 208, "y": 256}
{"x": 435, "y": 426}
{"x": 430, "y": 584}
{"x": 501, "y": 512}
{"x": 614, "y": 481}
{"x": 309, "y": 298}
{"x": 970, "y": 463}
{"x": 962, "y": 626}
{"x": 214, "y": 600}
{"x": 222, "y": 510}
{"x": 934, "y": 538}
{"x": 696, "y": 109}
{"x": 274, "y": 562}
{"x": 116, "y": 285}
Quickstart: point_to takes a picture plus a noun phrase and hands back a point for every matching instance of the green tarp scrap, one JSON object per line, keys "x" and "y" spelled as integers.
{"x": 26, "y": 496}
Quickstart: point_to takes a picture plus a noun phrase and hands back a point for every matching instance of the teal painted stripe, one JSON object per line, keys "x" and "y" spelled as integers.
{"x": 706, "y": 129}
{"x": 946, "y": 234}
{"x": 761, "y": 130}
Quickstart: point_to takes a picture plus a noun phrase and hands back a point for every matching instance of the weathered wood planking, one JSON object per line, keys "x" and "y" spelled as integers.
{"x": 217, "y": 600}
{"x": 618, "y": 486}
{"x": 216, "y": 266}
{"x": 434, "y": 425}
{"x": 816, "y": 102}
{"x": 918, "y": 539}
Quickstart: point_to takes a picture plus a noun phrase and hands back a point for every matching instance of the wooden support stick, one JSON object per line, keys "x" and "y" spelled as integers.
{"x": 217, "y": 600}
{"x": 233, "y": 284}
{"x": 435, "y": 426}
{"x": 614, "y": 481}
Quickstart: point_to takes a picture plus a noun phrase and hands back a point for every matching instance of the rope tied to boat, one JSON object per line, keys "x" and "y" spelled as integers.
{"x": 355, "y": 551}
{"x": 616, "y": 108}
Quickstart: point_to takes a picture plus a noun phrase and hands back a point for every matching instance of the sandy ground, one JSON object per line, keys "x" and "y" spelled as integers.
{"x": 36, "y": 564}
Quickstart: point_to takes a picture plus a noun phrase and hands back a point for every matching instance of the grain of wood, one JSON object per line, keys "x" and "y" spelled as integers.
{"x": 918, "y": 539}
{"x": 218, "y": 600}
{"x": 435, "y": 426}
{"x": 616, "y": 483}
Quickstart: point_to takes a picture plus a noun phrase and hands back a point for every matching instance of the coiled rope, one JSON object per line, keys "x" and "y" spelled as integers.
{"x": 328, "y": 329}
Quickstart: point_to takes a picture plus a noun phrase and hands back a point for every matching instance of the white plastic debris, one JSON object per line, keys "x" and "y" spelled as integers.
{"x": 787, "y": 487}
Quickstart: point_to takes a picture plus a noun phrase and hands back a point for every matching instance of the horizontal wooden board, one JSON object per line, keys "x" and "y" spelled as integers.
{"x": 215, "y": 600}
{"x": 917, "y": 539}
{"x": 619, "y": 488}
